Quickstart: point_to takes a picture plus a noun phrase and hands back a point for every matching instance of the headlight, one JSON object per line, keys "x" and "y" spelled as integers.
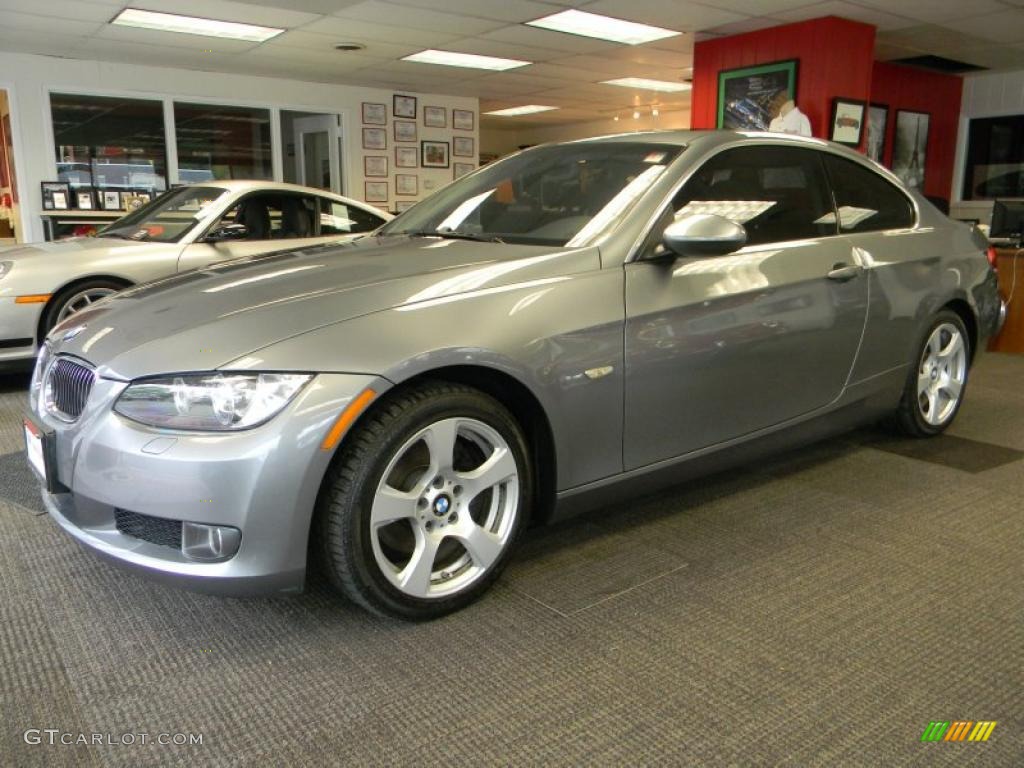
{"x": 42, "y": 360}
{"x": 5, "y": 267}
{"x": 216, "y": 402}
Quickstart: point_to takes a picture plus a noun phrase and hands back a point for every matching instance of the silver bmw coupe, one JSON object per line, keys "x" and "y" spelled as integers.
{"x": 571, "y": 324}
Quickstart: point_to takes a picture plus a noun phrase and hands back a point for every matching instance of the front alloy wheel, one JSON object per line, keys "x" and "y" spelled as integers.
{"x": 424, "y": 501}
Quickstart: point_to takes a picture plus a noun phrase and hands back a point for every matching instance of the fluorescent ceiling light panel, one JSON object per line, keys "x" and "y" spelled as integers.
{"x": 649, "y": 85}
{"x": 193, "y": 25}
{"x": 529, "y": 109}
{"x": 602, "y": 27}
{"x": 470, "y": 60}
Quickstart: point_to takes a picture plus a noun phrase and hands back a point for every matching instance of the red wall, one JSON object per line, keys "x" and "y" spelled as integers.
{"x": 836, "y": 57}
{"x": 902, "y": 87}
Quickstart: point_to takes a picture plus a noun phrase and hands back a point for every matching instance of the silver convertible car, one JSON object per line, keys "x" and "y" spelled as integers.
{"x": 188, "y": 227}
{"x": 575, "y": 324}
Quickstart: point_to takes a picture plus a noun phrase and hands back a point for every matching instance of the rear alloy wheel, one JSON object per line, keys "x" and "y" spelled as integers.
{"x": 935, "y": 388}
{"x": 426, "y": 501}
{"x": 76, "y": 298}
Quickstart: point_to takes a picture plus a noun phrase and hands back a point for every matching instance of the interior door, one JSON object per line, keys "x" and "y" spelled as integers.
{"x": 318, "y": 152}
{"x": 720, "y": 347}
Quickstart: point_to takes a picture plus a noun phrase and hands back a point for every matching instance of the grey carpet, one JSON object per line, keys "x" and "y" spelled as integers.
{"x": 816, "y": 609}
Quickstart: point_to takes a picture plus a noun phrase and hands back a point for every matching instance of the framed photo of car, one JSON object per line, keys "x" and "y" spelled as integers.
{"x": 404, "y": 106}
{"x": 56, "y": 195}
{"x": 435, "y": 117}
{"x": 375, "y": 138}
{"x": 847, "y": 121}
{"x": 463, "y": 146}
{"x": 406, "y": 184}
{"x": 406, "y": 157}
{"x": 375, "y": 165}
{"x": 376, "y": 192}
{"x": 878, "y": 123}
{"x": 405, "y": 130}
{"x": 746, "y": 96}
{"x": 375, "y": 114}
{"x": 463, "y": 119}
{"x": 434, "y": 154}
{"x": 111, "y": 200}
{"x": 84, "y": 199}
{"x": 461, "y": 169}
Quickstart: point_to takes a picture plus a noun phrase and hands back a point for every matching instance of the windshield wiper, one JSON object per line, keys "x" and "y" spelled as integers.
{"x": 454, "y": 234}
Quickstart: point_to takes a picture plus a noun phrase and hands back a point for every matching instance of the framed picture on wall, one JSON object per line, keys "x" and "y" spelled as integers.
{"x": 406, "y": 157}
{"x": 56, "y": 195}
{"x": 405, "y": 130}
{"x": 435, "y": 117}
{"x": 461, "y": 169}
{"x": 376, "y": 191}
{"x": 404, "y": 106}
{"x": 434, "y": 154}
{"x": 463, "y": 146}
{"x": 407, "y": 184}
{"x": 748, "y": 97}
{"x": 84, "y": 200}
{"x": 403, "y": 205}
{"x": 111, "y": 200}
{"x": 375, "y": 114}
{"x": 847, "y": 121}
{"x": 878, "y": 122}
{"x": 375, "y": 165}
{"x": 910, "y": 147}
{"x": 463, "y": 119}
{"x": 375, "y": 138}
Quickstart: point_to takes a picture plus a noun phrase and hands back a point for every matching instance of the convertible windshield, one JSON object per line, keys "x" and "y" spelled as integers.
{"x": 556, "y": 195}
{"x": 168, "y": 218}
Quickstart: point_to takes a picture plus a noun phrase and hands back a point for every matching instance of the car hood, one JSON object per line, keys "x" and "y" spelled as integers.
{"x": 71, "y": 247}
{"x": 207, "y": 318}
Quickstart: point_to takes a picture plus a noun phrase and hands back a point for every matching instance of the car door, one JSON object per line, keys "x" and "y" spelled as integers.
{"x": 721, "y": 347}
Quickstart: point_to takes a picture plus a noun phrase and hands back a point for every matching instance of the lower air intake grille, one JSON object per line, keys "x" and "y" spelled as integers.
{"x": 155, "y": 530}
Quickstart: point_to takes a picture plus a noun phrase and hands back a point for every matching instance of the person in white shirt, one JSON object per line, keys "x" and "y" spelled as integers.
{"x": 788, "y": 117}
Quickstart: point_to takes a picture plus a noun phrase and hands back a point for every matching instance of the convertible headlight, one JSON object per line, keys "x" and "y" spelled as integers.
{"x": 217, "y": 402}
{"x": 42, "y": 360}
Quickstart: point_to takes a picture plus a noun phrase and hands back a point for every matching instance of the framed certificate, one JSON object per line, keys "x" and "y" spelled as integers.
{"x": 375, "y": 114}
{"x": 375, "y": 165}
{"x": 435, "y": 117}
{"x": 376, "y": 192}
{"x": 406, "y": 184}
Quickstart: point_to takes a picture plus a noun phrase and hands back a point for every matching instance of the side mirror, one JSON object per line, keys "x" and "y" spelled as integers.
{"x": 704, "y": 234}
{"x": 226, "y": 232}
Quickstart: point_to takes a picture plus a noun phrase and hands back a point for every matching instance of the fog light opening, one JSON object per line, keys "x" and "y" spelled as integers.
{"x": 209, "y": 543}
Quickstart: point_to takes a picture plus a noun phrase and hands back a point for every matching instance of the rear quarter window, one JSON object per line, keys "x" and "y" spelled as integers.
{"x": 867, "y": 202}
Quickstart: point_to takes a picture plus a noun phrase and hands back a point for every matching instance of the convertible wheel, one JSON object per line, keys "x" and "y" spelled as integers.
{"x": 76, "y": 298}
{"x": 425, "y": 501}
{"x": 935, "y": 387}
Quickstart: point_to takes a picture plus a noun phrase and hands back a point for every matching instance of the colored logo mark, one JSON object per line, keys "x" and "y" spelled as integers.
{"x": 958, "y": 730}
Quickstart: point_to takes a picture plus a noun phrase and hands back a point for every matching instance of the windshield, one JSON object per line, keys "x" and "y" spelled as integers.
{"x": 565, "y": 194}
{"x": 168, "y": 217}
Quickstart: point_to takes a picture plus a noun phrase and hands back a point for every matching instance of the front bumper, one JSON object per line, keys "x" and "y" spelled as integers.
{"x": 262, "y": 481}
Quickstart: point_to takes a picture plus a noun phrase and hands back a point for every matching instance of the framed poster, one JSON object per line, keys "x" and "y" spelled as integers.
{"x": 375, "y": 165}
{"x": 463, "y": 119}
{"x": 376, "y": 191}
{"x": 375, "y": 138}
{"x": 435, "y": 117}
{"x": 405, "y": 130}
{"x": 910, "y": 147}
{"x": 84, "y": 199}
{"x": 403, "y": 205}
{"x": 461, "y": 169}
{"x": 406, "y": 157}
{"x": 111, "y": 200}
{"x": 746, "y": 95}
{"x": 434, "y": 154}
{"x": 56, "y": 195}
{"x": 463, "y": 146}
{"x": 847, "y": 121}
{"x": 878, "y": 122}
{"x": 375, "y": 114}
{"x": 404, "y": 106}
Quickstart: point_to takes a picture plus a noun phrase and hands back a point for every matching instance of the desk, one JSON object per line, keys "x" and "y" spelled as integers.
{"x": 1011, "y": 338}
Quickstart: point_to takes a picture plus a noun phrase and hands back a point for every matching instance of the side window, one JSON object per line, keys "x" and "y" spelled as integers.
{"x": 866, "y": 201}
{"x": 776, "y": 193}
{"x": 340, "y": 219}
{"x": 274, "y": 216}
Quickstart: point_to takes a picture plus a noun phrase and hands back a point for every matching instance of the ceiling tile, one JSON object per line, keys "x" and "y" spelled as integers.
{"x": 10, "y": 20}
{"x": 545, "y": 38}
{"x": 1003, "y": 27}
{"x": 325, "y": 43}
{"x": 930, "y": 37}
{"x": 498, "y": 48}
{"x": 873, "y": 16}
{"x": 935, "y": 11}
{"x": 46, "y": 43}
{"x": 604, "y": 68}
{"x": 363, "y": 31}
{"x": 656, "y": 57}
{"x": 376, "y": 11}
{"x": 757, "y": 7}
{"x": 746, "y": 25}
{"x": 76, "y": 10}
{"x": 670, "y": 14}
{"x": 511, "y": 11}
{"x": 308, "y": 6}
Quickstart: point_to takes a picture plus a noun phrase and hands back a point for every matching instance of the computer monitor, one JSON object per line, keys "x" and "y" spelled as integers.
{"x": 1007, "y": 220}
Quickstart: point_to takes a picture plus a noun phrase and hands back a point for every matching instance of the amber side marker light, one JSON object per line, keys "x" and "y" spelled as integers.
{"x": 34, "y": 298}
{"x": 350, "y": 414}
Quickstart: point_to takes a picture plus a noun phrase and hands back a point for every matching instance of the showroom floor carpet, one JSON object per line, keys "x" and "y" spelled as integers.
{"x": 819, "y": 609}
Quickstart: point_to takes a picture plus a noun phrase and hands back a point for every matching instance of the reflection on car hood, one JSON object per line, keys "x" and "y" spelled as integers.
{"x": 204, "y": 319}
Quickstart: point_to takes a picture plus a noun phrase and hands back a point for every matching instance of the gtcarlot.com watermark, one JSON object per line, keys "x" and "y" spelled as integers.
{"x": 57, "y": 737}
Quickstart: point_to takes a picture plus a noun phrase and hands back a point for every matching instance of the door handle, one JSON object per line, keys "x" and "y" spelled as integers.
{"x": 843, "y": 271}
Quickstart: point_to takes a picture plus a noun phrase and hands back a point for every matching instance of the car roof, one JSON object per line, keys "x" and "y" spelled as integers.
{"x": 255, "y": 185}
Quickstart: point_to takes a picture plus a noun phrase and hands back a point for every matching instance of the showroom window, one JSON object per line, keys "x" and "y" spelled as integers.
{"x": 222, "y": 142}
{"x": 995, "y": 158}
{"x": 866, "y": 201}
{"x": 109, "y": 142}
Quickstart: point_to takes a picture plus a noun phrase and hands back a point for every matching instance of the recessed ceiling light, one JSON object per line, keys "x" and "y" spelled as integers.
{"x": 602, "y": 27}
{"x": 194, "y": 25}
{"x": 529, "y": 109}
{"x": 471, "y": 60}
{"x": 648, "y": 85}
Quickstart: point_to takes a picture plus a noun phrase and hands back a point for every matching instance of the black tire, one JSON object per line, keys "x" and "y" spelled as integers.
{"x": 909, "y": 418}
{"x": 342, "y": 519}
{"x": 57, "y": 303}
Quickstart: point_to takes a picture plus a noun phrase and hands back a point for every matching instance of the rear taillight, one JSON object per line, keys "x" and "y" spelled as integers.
{"x": 992, "y": 256}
